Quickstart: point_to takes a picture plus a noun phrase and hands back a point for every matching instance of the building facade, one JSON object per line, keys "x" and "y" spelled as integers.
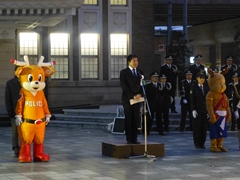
{"x": 89, "y": 40}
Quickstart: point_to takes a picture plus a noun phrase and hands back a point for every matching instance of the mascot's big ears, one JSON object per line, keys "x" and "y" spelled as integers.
{"x": 48, "y": 71}
{"x": 210, "y": 72}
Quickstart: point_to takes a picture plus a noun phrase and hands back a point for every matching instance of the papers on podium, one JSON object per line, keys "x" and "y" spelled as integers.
{"x": 132, "y": 101}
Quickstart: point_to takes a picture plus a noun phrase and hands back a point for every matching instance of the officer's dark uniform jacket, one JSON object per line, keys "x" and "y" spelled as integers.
{"x": 234, "y": 95}
{"x": 159, "y": 95}
{"x": 228, "y": 76}
{"x": 194, "y": 69}
{"x": 184, "y": 89}
{"x": 198, "y": 101}
{"x": 170, "y": 73}
{"x": 153, "y": 95}
{"x": 166, "y": 98}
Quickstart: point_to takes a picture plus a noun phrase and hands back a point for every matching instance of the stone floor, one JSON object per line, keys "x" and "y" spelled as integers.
{"x": 76, "y": 154}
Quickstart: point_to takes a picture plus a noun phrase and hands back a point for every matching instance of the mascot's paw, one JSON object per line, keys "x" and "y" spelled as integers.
{"x": 212, "y": 121}
{"x": 223, "y": 149}
{"x": 214, "y": 149}
{"x": 24, "y": 159}
{"x": 229, "y": 119}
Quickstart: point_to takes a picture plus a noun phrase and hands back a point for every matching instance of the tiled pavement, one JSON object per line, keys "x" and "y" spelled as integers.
{"x": 76, "y": 154}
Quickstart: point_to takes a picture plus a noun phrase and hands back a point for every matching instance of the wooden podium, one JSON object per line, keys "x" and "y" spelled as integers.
{"x": 123, "y": 150}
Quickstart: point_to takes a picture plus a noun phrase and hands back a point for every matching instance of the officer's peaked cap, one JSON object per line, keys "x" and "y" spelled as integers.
{"x": 155, "y": 73}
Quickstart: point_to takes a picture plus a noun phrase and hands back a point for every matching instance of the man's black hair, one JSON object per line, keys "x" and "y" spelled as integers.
{"x": 130, "y": 57}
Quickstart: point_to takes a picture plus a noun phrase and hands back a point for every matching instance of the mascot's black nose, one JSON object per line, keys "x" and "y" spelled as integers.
{"x": 36, "y": 82}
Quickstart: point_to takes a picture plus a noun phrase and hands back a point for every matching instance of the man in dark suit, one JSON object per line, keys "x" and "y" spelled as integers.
{"x": 153, "y": 93}
{"x": 170, "y": 71}
{"x": 11, "y": 97}
{"x": 197, "y": 66}
{"x": 198, "y": 94}
{"x": 130, "y": 79}
{"x": 185, "y": 103}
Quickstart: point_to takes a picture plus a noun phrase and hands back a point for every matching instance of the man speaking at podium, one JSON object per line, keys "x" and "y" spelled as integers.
{"x": 130, "y": 79}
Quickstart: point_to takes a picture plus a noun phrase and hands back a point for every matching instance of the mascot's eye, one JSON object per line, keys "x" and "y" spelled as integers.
{"x": 39, "y": 77}
{"x": 30, "y": 78}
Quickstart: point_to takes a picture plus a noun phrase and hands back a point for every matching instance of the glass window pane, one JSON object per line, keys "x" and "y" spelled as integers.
{"x": 89, "y": 44}
{"x": 28, "y": 42}
{"x": 118, "y": 53}
{"x": 59, "y": 53}
{"x": 61, "y": 68}
{"x": 59, "y": 43}
{"x": 118, "y": 2}
{"x": 89, "y": 67}
{"x": 89, "y": 55}
{"x": 90, "y": 2}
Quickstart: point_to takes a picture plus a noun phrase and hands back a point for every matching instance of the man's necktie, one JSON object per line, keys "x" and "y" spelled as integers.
{"x": 202, "y": 89}
{"x": 155, "y": 84}
{"x": 134, "y": 72}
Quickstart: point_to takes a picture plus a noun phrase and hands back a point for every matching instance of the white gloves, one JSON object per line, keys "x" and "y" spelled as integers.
{"x": 236, "y": 114}
{"x": 184, "y": 101}
{"x": 18, "y": 120}
{"x": 48, "y": 119}
{"x": 194, "y": 113}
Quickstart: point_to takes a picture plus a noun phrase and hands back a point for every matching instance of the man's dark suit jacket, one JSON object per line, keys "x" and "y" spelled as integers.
{"x": 130, "y": 84}
{"x": 12, "y": 95}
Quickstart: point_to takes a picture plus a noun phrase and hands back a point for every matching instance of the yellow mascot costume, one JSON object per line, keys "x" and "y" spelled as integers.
{"x": 32, "y": 113}
{"x": 218, "y": 111}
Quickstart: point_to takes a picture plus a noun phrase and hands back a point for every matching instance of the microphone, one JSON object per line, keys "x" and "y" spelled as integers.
{"x": 142, "y": 82}
{"x": 141, "y": 75}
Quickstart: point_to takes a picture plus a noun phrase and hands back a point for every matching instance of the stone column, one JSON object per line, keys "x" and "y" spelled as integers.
{"x": 218, "y": 55}
{"x": 7, "y": 52}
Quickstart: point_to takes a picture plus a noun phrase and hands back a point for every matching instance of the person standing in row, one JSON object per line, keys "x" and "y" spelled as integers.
{"x": 130, "y": 80}
{"x": 153, "y": 93}
{"x": 197, "y": 66}
{"x": 170, "y": 71}
{"x": 235, "y": 91}
{"x": 234, "y": 99}
{"x": 185, "y": 103}
{"x": 228, "y": 70}
{"x": 11, "y": 97}
{"x": 198, "y": 94}
{"x": 166, "y": 99}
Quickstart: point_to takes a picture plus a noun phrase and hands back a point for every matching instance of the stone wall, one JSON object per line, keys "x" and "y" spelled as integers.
{"x": 143, "y": 35}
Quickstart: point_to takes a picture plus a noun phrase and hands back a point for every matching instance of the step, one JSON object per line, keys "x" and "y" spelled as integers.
{"x": 81, "y": 112}
{"x": 101, "y": 119}
{"x": 75, "y": 124}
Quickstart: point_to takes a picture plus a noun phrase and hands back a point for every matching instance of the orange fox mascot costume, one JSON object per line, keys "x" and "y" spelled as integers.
{"x": 32, "y": 113}
{"x": 218, "y": 111}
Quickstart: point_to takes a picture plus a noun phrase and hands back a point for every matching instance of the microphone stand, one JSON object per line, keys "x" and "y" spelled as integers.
{"x": 145, "y": 106}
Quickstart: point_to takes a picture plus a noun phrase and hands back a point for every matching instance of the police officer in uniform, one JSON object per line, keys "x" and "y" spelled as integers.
{"x": 185, "y": 103}
{"x": 235, "y": 89}
{"x": 228, "y": 70}
{"x": 197, "y": 66}
{"x": 170, "y": 71}
{"x": 234, "y": 99}
{"x": 165, "y": 88}
{"x": 153, "y": 93}
{"x": 198, "y": 94}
